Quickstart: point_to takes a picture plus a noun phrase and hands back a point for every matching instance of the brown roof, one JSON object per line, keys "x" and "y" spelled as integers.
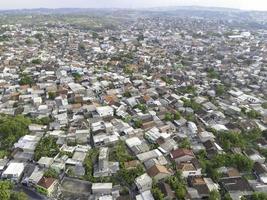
{"x": 181, "y": 152}
{"x": 233, "y": 172}
{"x": 131, "y": 164}
{"x": 46, "y": 182}
{"x": 156, "y": 169}
{"x": 186, "y": 167}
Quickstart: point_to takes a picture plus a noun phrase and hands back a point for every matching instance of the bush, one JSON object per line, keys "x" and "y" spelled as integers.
{"x": 253, "y": 114}
{"x": 52, "y": 95}
{"x": 51, "y": 173}
{"x": 89, "y": 164}
{"x": 47, "y": 147}
{"x": 25, "y": 79}
{"x": 11, "y": 129}
{"x": 36, "y": 61}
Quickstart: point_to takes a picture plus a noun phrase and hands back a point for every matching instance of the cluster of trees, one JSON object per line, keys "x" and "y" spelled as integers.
{"x": 178, "y": 184}
{"x": 11, "y": 129}
{"x": 42, "y": 121}
{"x": 130, "y": 175}
{"x": 89, "y": 161}
{"x": 127, "y": 94}
{"x": 192, "y": 104}
{"x": 167, "y": 80}
{"x": 46, "y": 147}
{"x": 172, "y": 116}
{"x": 141, "y": 107}
{"x": 264, "y": 105}
{"x": 51, "y": 173}
{"x": 156, "y": 192}
{"x": 220, "y": 90}
{"x": 210, "y": 167}
{"x": 185, "y": 143}
{"x": 190, "y": 89}
{"x": 25, "y": 79}
{"x": 51, "y": 95}
{"x": 244, "y": 140}
{"x": 7, "y": 193}
{"x": 213, "y": 74}
{"x": 230, "y": 139}
{"x": 36, "y": 61}
{"x": 259, "y": 196}
{"x": 77, "y": 76}
{"x": 120, "y": 153}
{"x": 253, "y": 114}
{"x": 137, "y": 123}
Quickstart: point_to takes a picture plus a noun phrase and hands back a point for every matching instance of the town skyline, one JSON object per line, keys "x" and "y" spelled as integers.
{"x": 260, "y": 5}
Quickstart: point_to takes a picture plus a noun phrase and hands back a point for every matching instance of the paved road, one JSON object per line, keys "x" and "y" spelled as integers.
{"x": 31, "y": 193}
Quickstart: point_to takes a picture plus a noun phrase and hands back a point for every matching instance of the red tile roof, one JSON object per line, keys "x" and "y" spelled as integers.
{"x": 46, "y": 182}
{"x": 181, "y": 152}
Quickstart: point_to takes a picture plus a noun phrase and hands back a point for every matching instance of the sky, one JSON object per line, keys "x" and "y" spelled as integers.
{"x": 241, "y": 4}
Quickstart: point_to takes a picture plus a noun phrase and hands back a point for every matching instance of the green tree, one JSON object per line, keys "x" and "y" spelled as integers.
{"x": 157, "y": 193}
{"x": 214, "y": 195}
{"x": 89, "y": 161}
{"x": 46, "y": 147}
{"x": 264, "y": 105}
{"x": 185, "y": 143}
{"x": 220, "y": 90}
{"x": 168, "y": 116}
{"x": 28, "y": 41}
{"x": 253, "y": 114}
{"x": 51, "y": 95}
{"x": 36, "y": 61}
{"x": 120, "y": 153}
{"x": 259, "y": 196}
{"x": 11, "y": 129}
{"x": 138, "y": 123}
{"x": 127, "y": 94}
{"x": 178, "y": 185}
{"x": 51, "y": 173}
{"x": 25, "y": 79}
{"x": 227, "y": 197}
{"x": 213, "y": 74}
{"x": 5, "y": 188}
{"x": 18, "y": 196}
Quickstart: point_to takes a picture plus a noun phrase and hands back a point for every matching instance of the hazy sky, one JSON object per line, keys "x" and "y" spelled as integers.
{"x": 242, "y": 4}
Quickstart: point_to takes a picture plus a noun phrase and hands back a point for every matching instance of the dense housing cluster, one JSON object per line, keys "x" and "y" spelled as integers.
{"x": 154, "y": 106}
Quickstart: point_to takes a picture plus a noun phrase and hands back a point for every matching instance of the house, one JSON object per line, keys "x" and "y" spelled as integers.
{"x": 155, "y": 153}
{"x": 255, "y": 156}
{"x": 45, "y": 162}
{"x": 205, "y": 136}
{"x": 158, "y": 172}
{"x": 105, "y": 111}
{"x": 198, "y": 183}
{"x": 182, "y": 155}
{"x": 47, "y": 186}
{"x": 236, "y": 187}
{"x": 260, "y": 171}
{"x": 191, "y": 168}
{"x": 143, "y": 182}
{"x": 14, "y": 171}
{"x": 101, "y": 188}
{"x": 36, "y": 176}
{"x": 145, "y": 195}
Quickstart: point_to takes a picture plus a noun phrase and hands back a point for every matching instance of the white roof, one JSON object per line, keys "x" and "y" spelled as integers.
{"x": 149, "y": 154}
{"x": 146, "y": 195}
{"x": 133, "y": 141}
{"x": 97, "y": 186}
{"x": 14, "y": 168}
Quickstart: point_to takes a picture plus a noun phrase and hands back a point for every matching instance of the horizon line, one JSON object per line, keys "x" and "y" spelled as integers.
{"x": 133, "y": 8}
